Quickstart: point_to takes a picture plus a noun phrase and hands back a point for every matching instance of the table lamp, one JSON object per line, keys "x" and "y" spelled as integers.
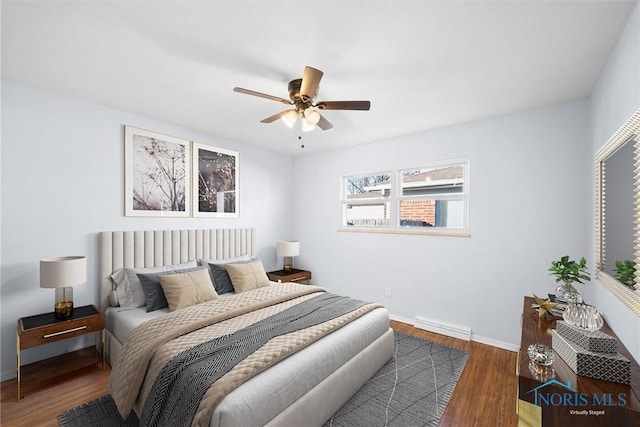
{"x": 61, "y": 274}
{"x": 288, "y": 249}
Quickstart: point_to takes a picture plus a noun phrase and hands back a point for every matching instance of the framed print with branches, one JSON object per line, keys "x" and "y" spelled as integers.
{"x": 215, "y": 182}
{"x": 157, "y": 174}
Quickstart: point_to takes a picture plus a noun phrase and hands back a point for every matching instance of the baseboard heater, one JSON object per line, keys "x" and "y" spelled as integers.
{"x": 459, "y": 332}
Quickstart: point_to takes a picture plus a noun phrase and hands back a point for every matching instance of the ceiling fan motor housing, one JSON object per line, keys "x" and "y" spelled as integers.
{"x": 294, "y": 93}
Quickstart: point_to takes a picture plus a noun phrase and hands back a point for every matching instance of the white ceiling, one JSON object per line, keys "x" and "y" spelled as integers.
{"x": 422, "y": 64}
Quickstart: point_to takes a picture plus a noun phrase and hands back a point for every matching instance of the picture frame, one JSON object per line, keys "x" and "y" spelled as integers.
{"x": 215, "y": 190}
{"x": 157, "y": 174}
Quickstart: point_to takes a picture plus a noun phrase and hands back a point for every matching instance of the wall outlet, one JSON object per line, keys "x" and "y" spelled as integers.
{"x": 387, "y": 292}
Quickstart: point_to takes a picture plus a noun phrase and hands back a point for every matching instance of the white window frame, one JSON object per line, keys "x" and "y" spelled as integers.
{"x": 365, "y": 202}
{"x": 395, "y": 198}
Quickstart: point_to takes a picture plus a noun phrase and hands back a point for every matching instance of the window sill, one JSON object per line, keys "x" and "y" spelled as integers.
{"x": 431, "y": 232}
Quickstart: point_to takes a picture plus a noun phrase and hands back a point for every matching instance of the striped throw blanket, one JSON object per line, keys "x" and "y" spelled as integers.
{"x": 178, "y": 390}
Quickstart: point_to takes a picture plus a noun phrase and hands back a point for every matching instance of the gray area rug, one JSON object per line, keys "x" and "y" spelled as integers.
{"x": 101, "y": 412}
{"x": 411, "y": 389}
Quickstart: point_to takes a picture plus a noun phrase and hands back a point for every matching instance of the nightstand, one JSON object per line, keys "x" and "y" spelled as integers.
{"x": 294, "y": 275}
{"x": 33, "y": 331}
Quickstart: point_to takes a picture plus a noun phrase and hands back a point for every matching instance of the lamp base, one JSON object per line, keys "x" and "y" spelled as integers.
{"x": 63, "y": 307}
{"x": 288, "y": 264}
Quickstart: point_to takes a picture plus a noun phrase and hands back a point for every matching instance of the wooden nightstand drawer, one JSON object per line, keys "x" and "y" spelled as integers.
{"x": 298, "y": 277}
{"x": 282, "y": 276}
{"x": 44, "y": 328}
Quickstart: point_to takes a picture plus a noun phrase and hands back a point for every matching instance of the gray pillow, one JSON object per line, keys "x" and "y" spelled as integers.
{"x": 153, "y": 293}
{"x": 220, "y": 277}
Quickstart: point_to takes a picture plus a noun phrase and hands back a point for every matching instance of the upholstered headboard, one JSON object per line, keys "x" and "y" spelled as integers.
{"x": 139, "y": 249}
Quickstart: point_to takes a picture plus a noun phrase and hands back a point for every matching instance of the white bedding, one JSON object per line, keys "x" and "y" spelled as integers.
{"x": 266, "y": 395}
{"x": 120, "y": 322}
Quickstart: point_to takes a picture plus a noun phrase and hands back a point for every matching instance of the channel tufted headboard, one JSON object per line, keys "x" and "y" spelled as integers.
{"x": 163, "y": 247}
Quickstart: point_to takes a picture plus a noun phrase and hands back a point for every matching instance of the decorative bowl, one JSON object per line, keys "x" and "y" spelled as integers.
{"x": 540, "y": 354}
{"x": 584, "y": 316}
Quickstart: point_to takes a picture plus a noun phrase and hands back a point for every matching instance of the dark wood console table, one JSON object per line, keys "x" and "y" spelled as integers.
{"x": 573, "y": 410}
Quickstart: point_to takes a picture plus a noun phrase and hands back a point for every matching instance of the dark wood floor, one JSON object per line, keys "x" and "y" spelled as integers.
{"x": 484, "y": 396}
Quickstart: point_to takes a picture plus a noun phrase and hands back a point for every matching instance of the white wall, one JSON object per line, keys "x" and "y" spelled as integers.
{"x": 63, "y": 182}
{"x": 614, "y": 99}
{"x": 529, "y": 190}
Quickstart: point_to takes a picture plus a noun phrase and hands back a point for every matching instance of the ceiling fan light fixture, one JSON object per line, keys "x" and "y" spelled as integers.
{"x": 290, "y": 118}
{"x": 306, "y": 126}
{"x": 302, "y": 95}
{"x": 312, "y": 116}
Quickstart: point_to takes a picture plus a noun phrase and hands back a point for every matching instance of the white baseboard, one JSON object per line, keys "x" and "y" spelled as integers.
{"x": 460, "y": 332}
{"x": 401, "y": 319}
{"x": 496, "y": 343}
{"x": 475, "y": 338}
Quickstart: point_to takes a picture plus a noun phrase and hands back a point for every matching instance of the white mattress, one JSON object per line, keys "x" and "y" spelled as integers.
{"x": 283, "y": 383}
{"x": 121, "y": 322}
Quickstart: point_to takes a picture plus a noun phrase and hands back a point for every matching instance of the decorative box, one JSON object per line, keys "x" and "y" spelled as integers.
{"x": 603, "y": 366}
{"x": 595, "y": 341}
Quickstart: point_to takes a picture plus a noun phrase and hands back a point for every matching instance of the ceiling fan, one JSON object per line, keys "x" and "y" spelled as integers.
{"x": 302, "y": 95}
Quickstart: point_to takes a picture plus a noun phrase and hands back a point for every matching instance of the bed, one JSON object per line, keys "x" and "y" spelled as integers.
{"x": 304, "y": 387}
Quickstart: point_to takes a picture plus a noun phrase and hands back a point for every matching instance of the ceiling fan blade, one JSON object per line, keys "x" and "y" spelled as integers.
{"x": 275, "y": 117}
{"x": 262, "y": 95}
{"x": 310, "y": 82}
{"x": 344, "y": 105}
{"x": 324, "y": 124}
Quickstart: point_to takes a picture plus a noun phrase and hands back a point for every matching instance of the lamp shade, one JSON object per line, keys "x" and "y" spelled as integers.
{"x": 288, "y": 248}
{"x": 63, "y": 271}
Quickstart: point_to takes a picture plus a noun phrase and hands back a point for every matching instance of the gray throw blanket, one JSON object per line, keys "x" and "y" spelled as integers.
{"x": 178, "y": 389}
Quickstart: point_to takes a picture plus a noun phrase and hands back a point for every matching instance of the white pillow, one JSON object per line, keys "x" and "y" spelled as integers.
{"x": 205, "y": 262}
{"x": 113, "y": 299}
{"x": 128, "y": 287}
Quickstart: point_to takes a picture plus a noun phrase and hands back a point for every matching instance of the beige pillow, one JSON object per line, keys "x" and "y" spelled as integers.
{"x": 247, "y": 276}
{"x": 186, "y": 289}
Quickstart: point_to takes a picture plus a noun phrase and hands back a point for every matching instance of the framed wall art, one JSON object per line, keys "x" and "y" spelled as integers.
{"x": 157, "y": 174}
{"x": 215, "y": 182}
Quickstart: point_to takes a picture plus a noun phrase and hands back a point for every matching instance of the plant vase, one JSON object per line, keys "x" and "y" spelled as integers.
{"x": 568, "y": 293}
{"x": 568, "y": 271}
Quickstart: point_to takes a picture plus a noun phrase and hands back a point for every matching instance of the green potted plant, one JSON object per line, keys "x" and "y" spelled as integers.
{"x": 626, "y": 272}
{"x": 568, "y": 271}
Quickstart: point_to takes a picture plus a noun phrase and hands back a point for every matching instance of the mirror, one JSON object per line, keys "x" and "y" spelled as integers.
{"x": 618, "y": 202}
{"x": 617, "y": 194}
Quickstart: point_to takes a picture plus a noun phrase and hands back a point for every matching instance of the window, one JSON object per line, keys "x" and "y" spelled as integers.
{"x": 427, "y": 199}
{"x": 367, "y": 200}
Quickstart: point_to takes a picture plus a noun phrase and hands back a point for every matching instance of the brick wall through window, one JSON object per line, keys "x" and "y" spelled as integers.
{"x": 418, "y": 210}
